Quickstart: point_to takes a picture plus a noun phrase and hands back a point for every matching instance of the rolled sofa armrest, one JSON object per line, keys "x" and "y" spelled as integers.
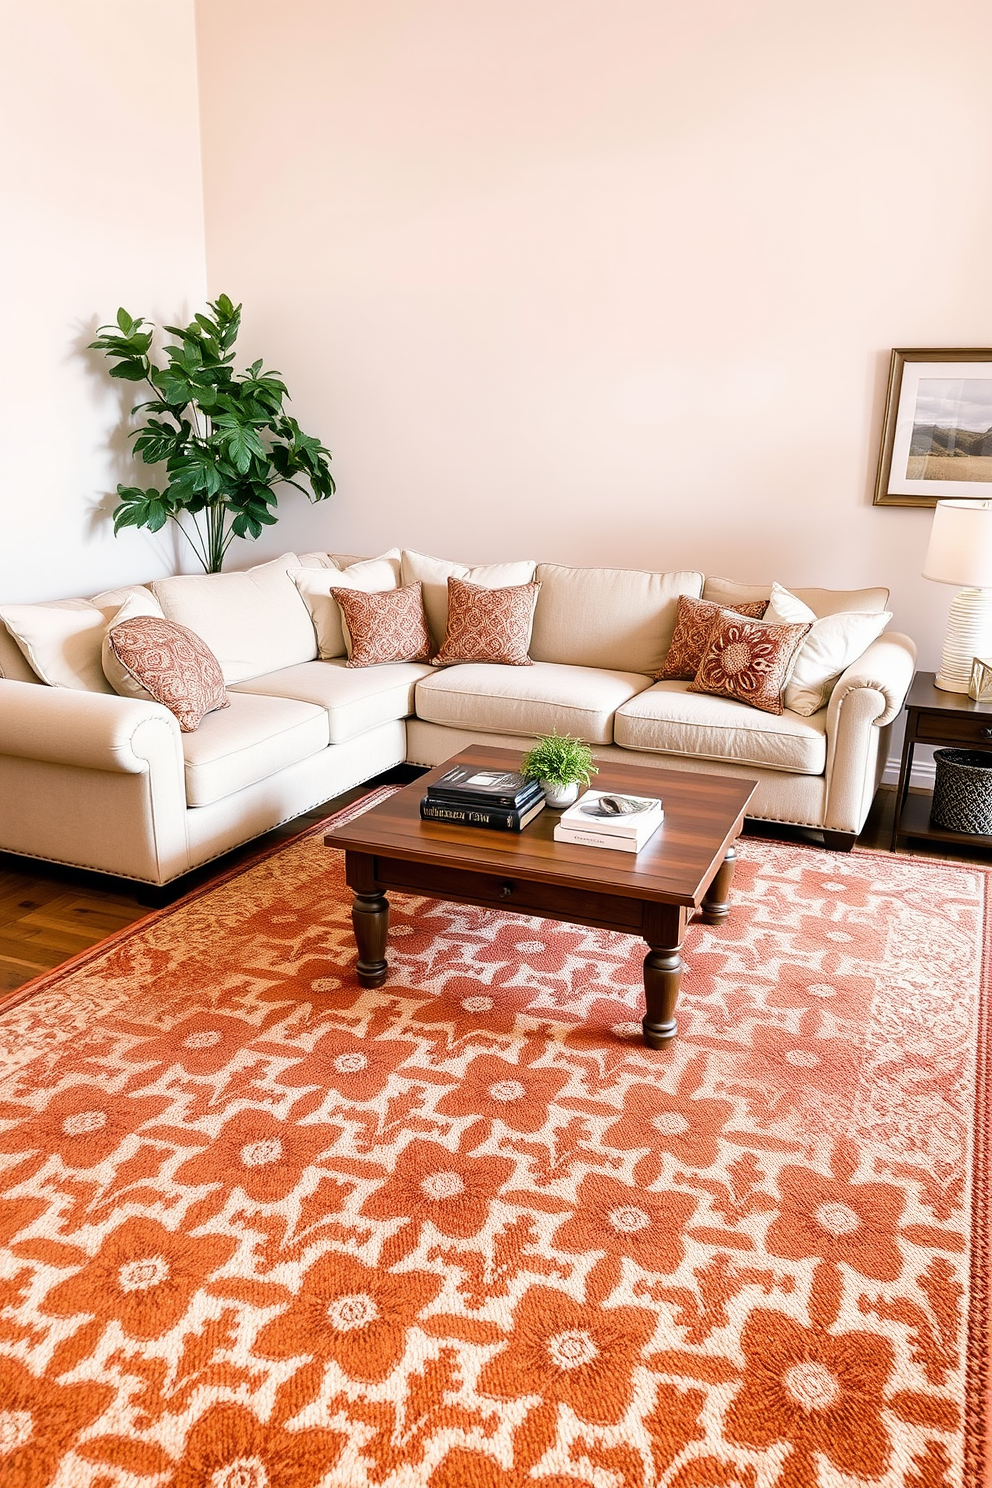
{"x": 887, "y": 667}
{"x": 865, "y": 700}
{"x": 92, "y": 730}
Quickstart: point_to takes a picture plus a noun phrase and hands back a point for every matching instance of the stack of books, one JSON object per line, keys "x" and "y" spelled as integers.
{"x": 624, "y": 823}
{"x": 468, "y": 797}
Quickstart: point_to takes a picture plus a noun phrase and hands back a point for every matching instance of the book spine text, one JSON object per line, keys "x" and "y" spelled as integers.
{"x": 471, "y": 816}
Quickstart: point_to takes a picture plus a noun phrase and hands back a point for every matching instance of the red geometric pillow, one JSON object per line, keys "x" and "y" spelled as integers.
{"x": 749, "y": 661}
{"x": 693, "y": 623}
{"x": 488, "y": 625}
{"x": 385, "y": 626}
{"x": 167, "y": 663}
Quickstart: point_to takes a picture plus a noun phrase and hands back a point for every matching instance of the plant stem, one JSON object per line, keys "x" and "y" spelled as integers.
{"x": 215, "y": 526}
{"x": 196, "y": 546}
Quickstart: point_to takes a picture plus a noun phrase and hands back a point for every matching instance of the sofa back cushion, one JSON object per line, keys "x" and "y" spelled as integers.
{"x": 728, "y": 593}
{"x": 61, "y": 641}
{"x": 13, "y": 663}
{"x": 621, "y": 619}
{"x": 253, "y": 622}
{"x": 58, "y": 641}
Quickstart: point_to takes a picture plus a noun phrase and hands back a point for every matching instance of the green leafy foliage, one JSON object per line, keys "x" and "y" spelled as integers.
{"x": 225, "y": 439}
{"x": 559, "y": 759}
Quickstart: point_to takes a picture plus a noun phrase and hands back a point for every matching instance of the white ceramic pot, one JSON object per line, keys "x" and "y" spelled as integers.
{"x": 560, "y": 796}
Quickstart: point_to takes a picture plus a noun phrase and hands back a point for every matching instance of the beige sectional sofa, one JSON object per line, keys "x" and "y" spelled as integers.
{"x": 99, "y": 781}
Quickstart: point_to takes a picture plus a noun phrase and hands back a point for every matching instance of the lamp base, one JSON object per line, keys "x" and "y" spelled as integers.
{"x": 969, "y": 634}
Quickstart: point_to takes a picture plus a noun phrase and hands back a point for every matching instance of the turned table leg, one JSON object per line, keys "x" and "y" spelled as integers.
{"x": 370, "y": 917}
{"x": 716, "y": 901}
{"x": 664, "y": 933}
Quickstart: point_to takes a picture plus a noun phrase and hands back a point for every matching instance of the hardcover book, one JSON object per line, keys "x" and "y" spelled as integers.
{"x": 462, "y": 783}
{"x": 587, "y": 815}
{"x": 502, "y": 818}
{"x": 580, "y": 837}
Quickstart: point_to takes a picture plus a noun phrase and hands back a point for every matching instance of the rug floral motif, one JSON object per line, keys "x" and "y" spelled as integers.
{"x": 261, "y": 1228}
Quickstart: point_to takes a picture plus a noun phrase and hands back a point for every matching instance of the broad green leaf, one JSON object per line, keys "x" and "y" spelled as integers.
{"x": 130, "y": 371}
{"x": 174, "y": 389}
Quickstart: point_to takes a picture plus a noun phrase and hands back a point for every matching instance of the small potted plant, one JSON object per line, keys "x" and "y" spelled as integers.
{"x": 561, "y": 764}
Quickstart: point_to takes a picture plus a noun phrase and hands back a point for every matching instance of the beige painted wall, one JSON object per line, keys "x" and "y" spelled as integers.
{"x": 604, "y": 282}
{"x": 102, "y": 198}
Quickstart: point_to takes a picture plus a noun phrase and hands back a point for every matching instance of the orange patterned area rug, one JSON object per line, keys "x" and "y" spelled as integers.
{"x": 260, "y": 1228}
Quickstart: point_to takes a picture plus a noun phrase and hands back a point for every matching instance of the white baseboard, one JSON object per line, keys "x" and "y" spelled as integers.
{"x": 922, "y": 773}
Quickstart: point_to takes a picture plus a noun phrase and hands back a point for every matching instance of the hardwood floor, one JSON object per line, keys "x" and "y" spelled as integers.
{"x": 48, "y": 914}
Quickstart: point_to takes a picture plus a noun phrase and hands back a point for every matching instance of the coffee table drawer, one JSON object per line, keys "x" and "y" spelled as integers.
{"x": 506, "y": 892}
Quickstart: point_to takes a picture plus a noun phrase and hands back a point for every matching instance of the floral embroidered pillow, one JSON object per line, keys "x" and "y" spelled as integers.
{"x": 749, "y": 661}
{"x": 488, "y": 625}
{"x": 693, "y": 623}
{"x": 383, "y": 627}
{"x": 166, "y": 663}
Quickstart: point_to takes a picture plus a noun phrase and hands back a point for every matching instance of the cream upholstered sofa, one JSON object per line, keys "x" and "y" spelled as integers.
{"x": 99, "y": 781}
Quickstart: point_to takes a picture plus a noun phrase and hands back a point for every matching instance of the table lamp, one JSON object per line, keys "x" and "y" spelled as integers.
{"x": 960, "y": 552}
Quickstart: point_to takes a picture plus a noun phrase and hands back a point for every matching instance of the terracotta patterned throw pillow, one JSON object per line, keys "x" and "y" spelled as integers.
{"x": 168, "y": 663}
{"x": 488, "y": 625}
{"x": 385, "y": 626}
{"x": 693, "y": 623}
{"x": 749, "y": 661}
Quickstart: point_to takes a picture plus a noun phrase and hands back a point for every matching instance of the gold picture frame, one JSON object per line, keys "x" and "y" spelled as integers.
{"x": 980, "y": 685}
{"x": 933, "y": 446}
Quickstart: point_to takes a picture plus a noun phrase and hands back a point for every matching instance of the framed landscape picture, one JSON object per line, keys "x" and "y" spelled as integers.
{"x": 937, "y": 433}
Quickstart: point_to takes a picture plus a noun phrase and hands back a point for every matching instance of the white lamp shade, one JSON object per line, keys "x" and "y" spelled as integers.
{"x": 960, "y": 550}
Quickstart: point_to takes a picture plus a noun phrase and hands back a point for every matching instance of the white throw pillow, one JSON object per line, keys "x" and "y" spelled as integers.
{"x": 254, "y": 621}
{"x": 372, "y": 576}
{"x": 434, "y": 573}
{"x": 829, "y": 648}
{"x": 785, "y": 609}
{"x": 61, "y": 641}
{"x": 111, "y": 600}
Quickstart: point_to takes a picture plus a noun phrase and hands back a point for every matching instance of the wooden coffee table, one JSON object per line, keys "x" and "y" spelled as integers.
{"x": 687, "y": 865}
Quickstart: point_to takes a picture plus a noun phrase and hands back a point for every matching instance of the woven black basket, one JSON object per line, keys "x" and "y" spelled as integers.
{"x": 962, "y": 793}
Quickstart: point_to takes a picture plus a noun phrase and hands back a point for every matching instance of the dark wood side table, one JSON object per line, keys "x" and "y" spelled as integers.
{"x": 949, "y": 720}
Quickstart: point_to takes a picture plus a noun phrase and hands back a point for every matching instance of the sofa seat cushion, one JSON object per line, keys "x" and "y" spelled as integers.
{"x": 353, "y": 700}
{"x": 248, "y": 742}
{"x": 668, "y": 719}
{"x": 527, "y": 701}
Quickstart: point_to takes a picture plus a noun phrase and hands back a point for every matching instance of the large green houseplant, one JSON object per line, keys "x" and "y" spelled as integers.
{"x": 224, "y": 438}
